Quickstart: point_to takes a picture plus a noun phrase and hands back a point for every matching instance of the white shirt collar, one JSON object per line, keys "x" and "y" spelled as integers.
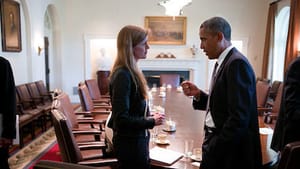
{"x": 223, "y": 55}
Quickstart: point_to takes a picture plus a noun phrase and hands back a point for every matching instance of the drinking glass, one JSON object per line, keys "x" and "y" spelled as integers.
{"x": 188, "y": 148}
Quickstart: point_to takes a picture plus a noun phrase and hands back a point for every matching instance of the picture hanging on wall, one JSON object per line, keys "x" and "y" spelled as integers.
{"x": 166, "y": 30}
{"x": 11, "y": 26}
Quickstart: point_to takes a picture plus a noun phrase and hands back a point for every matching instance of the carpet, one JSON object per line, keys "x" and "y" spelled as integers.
{"x": 52, "y": 154}
{"x": 43, "y": 147}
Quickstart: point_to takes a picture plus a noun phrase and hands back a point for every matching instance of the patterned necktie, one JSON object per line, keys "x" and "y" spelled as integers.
{"x": 212, "y": 82}
{"x": 213, "y": 77}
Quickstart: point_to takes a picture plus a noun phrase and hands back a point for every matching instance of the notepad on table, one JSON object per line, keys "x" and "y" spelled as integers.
{"x": 164, "y": 156}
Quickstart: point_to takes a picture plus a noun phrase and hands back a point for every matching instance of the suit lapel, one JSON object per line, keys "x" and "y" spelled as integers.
{"x": 221, "y": 67}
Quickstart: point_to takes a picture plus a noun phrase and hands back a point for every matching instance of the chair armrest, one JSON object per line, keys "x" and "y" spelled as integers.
{"x": 92, "y": 121}
{"x": 47, "y": 164}
{"x": 269, "y": 118}
{"x": 107, "y": 107}
{"x": 86, "y": 132}
{"x": 100, "y": 112}
{"x": 30, "y": 101}
{"x": 85, "y": 118}
{"x": 100, "y": 162}
{"x": 100, "y": 145}
{"x": 102, "y": 100}
{"x": 85, "y": 113}
{"x": 105, "y": 96}
{"x": 90, "y": 142}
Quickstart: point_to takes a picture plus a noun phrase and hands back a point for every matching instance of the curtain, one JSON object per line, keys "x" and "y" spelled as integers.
{"x": 269, "y": 41}
{"x": 293, "y": 34}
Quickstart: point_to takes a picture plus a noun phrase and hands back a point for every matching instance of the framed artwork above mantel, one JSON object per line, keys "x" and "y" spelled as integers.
{"x": 11, "y": 26}
{"x": 166, "y": 30}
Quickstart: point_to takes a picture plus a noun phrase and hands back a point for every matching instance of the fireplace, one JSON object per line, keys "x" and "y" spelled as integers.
{"x": 153, "y": 76}
{"x": 191, "y": 69}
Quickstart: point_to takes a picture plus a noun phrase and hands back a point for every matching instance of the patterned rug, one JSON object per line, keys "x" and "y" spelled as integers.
{"x": 24, "y": 158}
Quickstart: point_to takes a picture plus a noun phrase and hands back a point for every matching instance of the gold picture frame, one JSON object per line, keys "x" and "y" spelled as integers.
{"x": 166, "y": 30}
{"x": 11, "y": 26}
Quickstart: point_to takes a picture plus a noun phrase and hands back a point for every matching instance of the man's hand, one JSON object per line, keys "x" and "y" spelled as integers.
{"x": 190, "y": 89}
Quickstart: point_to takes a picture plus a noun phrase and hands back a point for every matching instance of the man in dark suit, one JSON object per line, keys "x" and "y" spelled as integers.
{"x": 231, "y": 125}
{"x": 7, "y": 111}
{"x": 288, "y": 122}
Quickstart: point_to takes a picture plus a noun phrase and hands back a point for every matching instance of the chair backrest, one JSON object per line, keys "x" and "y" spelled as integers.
{"x": 25, "y": 97}
{"x": 85, "y": 98}
{"x": 277, "y": 101}
{"x": 290, "y": 156}
{"x": 262, "y": 92}
{"x": 274, "y": 89}
{"x": 43, "y": 90}
{"x": 171, "y": 79}
{"x": 64, "y": 105}
{"x": 93, "y": 88}
{"x": 66, "y": 141}
{"x": 34, "y": 92}
{"x": 103, "y": 81}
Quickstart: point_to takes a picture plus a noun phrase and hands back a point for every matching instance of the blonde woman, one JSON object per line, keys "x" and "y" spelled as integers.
{"x": 131, "y": 119}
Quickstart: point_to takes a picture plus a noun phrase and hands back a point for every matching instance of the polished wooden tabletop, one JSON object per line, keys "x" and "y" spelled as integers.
{"x": 189, "y": 126}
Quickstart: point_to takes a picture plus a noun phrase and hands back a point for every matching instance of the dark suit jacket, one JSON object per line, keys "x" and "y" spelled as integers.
{"x": 7, "y": 100}
{"x": 288, "y": 122}
{"x": 233, "y": 105}
{"x": 128, "y": 106}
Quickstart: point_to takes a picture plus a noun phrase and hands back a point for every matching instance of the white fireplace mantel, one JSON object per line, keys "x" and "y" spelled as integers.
{"x": 196, "y": 66}
{"x": 169, "y": 64}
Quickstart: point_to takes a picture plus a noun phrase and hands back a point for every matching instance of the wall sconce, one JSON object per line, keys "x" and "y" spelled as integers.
{"x": 39, "y": 50}
{"x": 174, "y": 7}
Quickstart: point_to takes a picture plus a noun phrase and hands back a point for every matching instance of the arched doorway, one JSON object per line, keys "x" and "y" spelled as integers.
{"x": 52, "y": 43}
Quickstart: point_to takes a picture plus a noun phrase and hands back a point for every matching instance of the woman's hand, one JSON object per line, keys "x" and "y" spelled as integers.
{"x": 158, "y": 118}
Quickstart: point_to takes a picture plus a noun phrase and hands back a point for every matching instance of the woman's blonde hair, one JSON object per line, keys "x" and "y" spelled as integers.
{"x": 128, "y": 37}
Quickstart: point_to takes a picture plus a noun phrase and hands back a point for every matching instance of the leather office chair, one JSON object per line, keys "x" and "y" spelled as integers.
{"x": 82, "y": 123}
{"x": 26, "y": 121}
{"x": 274, "y": 90}
{"x": 71, "y": 152}
{"x": 43, "y": 90}
{"x": 170, "y": 79}
{"x": 29, "y": 105}
{"x": 40, "y": 101}
{"x": 272, "y": 111}
{"x": 76, "y": 117}
{"x": 290, "y": 156}
{"x": 262, "y": 93}
{"x": 99, "y": 112}
{"x": 86, "y": 101}
{"x": 94, "y": 91}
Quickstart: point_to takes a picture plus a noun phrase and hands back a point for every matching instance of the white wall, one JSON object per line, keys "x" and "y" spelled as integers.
{"x": 247, "y": 18}
{"x": 78, "y": 18}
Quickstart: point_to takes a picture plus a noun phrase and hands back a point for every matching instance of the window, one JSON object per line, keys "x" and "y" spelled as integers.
{"x": 280, "y": 38}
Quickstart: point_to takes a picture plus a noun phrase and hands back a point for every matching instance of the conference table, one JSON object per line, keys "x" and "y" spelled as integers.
{"x": 189, "y": 126}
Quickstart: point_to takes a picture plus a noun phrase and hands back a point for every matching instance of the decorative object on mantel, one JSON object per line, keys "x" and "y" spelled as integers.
{"x": 194, "y": 50}
{"x": 166, "y": 30}
{"x": 167, "y": 55}
{"x": 174, "y": 7}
